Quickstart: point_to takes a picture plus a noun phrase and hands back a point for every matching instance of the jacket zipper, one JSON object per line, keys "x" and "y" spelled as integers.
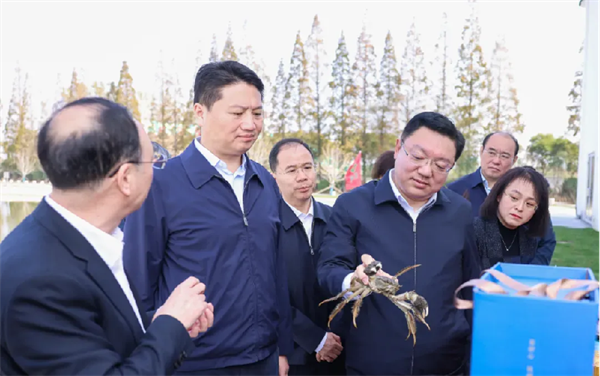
{"x": 412, "y": 359}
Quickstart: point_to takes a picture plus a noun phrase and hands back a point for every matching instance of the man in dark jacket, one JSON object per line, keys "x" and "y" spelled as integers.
{"x": 406, "y": 218}
{"x": 214, "y": 213}
{"x": 498, "y": 155}
{"x": 303, "y": 221}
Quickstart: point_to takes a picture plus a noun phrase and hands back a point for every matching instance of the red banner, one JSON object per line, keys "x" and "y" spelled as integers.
{"x": 354, "y": 173}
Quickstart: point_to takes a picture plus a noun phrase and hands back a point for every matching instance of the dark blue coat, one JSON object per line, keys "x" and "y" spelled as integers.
{"x": 64, "y": 313}
{"x": 309, "y": 321}
{"x": 370, "y": 220}
{"x": 472, "y": 185}
{"x": 192, "y": 224}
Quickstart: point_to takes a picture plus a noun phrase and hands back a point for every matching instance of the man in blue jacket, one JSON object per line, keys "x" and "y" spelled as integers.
{"x": 406, "y": 218}
{"x": 303, "y": 220}
{"x": 214, "y": 213}
{"x": 498, "y": 155}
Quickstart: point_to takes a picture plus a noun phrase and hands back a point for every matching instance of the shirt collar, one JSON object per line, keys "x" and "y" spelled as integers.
{"x": 108, "y": 246}
{"x": 485, "y": 183}
{"x": 401, "y": 198}
{"x": 215, "y": 161}
{"x": 301, "y": 215}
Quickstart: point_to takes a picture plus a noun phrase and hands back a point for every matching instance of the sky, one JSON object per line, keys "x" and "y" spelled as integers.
{"x": 48, "y": 39}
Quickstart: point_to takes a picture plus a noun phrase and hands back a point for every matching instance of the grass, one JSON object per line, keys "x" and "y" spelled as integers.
{"x": 576, "y": 247}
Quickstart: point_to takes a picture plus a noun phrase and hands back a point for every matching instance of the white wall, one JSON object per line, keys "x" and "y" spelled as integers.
{"x": 589, "y": 114}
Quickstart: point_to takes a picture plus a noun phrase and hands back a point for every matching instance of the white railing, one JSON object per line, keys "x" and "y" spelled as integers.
{"x": 23, "y": 191}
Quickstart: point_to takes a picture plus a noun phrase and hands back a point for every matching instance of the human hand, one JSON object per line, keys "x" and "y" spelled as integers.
{"x": 331, "y": 349}
{"x": 203, "y": 322}
{"x": 284, "y": 366}
{"x": 187, "y": 304}
{"x": 359, "y": 273}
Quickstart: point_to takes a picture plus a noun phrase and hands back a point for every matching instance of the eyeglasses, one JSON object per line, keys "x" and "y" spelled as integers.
{"x": 529, "y": 205}
{"x": 160, "y": 158}
{"x": 439, "y": 166}
{"x": 293, "y": 171}
{"x": 493, "y": 154}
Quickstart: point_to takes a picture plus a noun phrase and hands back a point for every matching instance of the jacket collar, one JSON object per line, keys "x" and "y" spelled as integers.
{"x": 96, "y": 268}
{"x": 199, "y": 170}
{"x": 289, "y": 218}
{"x": 385, "y": 193}
{"x": 474, "y": 179}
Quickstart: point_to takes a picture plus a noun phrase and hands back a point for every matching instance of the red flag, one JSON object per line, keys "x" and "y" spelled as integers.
{"x": 354, "y": 173}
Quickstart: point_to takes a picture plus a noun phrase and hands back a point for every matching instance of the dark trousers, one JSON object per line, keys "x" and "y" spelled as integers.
{"x": 266, "y": 367}
{"x": 318, "y": 369}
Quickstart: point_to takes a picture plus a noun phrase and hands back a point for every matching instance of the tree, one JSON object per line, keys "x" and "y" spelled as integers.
{"x": 556, "y": 157}
{"x": 443, "y": 99}
{"x": 317, "y": 65}
{"x": 25, "y": 155}
{"x": 214, "y": 50}
{"x": 365, "y": 79}
{"x": 574, "y": 106}
{"x": 298, "y": 92}
{"x": 471, "y": 91}
{"x": 388, "y": 95}
{"x": 228, "y": 49}
{"x": 261, "y": 149}
{"x": 278, "y": 124}
{"x": 503, "y": 108}
{"x": 98, "y": 89}
{"x": 333, "y": 164}
{"x": 343, "y": 94}
{"x": 76, "y": 89}
{"x": 414, "y": 86}
{"x": 125, "y": 94}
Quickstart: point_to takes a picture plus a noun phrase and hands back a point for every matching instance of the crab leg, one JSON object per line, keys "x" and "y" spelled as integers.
{"x": 343, "y": 303}
{"x": 405, "y": 270}
{"x": 358, "y": 304}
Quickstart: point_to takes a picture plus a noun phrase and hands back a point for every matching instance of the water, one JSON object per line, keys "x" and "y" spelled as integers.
{"x": 12, "y": 213}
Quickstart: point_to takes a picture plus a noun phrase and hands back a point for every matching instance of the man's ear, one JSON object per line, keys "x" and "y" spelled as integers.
{"x": 123, "y": 178}
{"x": 515, "y": 160}
{"x": 200, "y": 112}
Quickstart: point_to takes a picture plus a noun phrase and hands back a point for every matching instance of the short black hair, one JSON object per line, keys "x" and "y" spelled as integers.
{"x": 538, "y": 224}
{"x": 439, "y": 124}
{"x": 384, "y": 162}
{"x": 486, "y": 138}
{"x": 212, "y": 77}
{"x": 273, "y": 162}
{"x": 84, "y": 158}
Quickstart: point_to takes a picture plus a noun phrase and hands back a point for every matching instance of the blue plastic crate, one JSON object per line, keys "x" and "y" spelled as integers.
{"x": 527, "y": 335}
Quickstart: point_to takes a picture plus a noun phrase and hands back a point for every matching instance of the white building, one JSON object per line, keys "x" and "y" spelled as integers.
{"x": 587, "y": 175}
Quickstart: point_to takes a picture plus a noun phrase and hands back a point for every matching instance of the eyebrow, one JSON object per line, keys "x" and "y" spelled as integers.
{"x": 436, "y": 160}
{"x": 299, "y": 165}
{"x": 245, "y": 107}
{"x": 527, "y": 198}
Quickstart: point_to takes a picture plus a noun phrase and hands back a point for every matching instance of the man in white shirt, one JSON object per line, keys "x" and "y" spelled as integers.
{"x": 316, "y": 347}
{"x": 67, "y": 307}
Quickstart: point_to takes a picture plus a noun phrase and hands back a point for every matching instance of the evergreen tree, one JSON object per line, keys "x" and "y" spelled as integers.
{"x": 443, "y": 97}
{"x": 298, "y": 92}
{"x": 388, "y": 96}
{"x": 317, "y": 66}
{"x": 343, "y": 95}
{"x": 228, "y": 49}
{"x": 277, "y": 121}
{"x": 76, "y": 89}
{"x": 503, "y": 108}
{"x": 472, "y": 93}
{"x": 415, "y": 87}
{"x": 214, "y": 50}
{"x": 126, "y": 93}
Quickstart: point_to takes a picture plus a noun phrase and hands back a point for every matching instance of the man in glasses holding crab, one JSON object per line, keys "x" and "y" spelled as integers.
{"x": 421, "y": 233}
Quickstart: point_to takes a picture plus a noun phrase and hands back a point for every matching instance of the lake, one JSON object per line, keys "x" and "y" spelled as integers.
{"x": 12, "y": 213}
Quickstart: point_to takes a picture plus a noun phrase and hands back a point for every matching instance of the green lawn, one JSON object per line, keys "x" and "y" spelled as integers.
{"x": 576, "y": 247}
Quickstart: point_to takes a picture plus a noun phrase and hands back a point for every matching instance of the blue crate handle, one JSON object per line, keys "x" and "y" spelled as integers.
{"x": 541, "y": 289}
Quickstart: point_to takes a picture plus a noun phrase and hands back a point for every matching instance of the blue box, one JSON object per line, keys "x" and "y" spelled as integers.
{"x": 528, "y": 335}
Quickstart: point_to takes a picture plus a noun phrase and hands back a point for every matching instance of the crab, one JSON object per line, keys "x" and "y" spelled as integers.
{"x": 412, "y": 304}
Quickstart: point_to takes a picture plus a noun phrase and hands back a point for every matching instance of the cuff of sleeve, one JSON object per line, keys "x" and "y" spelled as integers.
{"x": 346, "y": 284}
{"x": 320, "y": 347}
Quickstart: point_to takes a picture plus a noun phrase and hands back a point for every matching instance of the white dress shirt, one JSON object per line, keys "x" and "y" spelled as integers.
{"x": 235, "y": 180}
{"x": 108, "y": 246}
{"x": 486, "y": 185}
{"x": 307, "y": 223}
{"x": 414, "y": 214}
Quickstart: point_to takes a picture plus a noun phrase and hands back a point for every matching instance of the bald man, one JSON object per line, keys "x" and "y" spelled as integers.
{"x": 67, "y": 307}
